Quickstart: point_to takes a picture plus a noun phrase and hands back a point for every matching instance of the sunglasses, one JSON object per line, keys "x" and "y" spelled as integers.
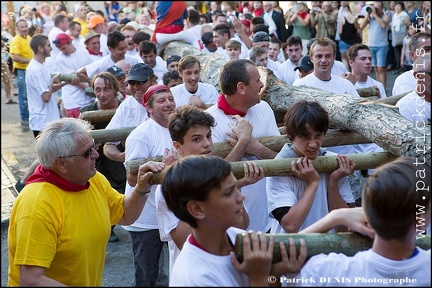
{"x": 86, "y": 154}
{"x": 134, "y": 82}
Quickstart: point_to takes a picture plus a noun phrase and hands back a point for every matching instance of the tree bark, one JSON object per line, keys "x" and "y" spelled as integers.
{"x": 282, "y": 167}
{"x": 383, "y": 126}
{"x": 347, "y": 243}
{"x": 98, "y": 116}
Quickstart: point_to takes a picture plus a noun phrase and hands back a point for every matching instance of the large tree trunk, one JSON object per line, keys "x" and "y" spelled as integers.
{"x": 384, "y": 126}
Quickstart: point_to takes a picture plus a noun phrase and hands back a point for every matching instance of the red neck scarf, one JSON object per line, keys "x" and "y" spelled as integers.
{"x": 223, "y": 105}
{"x": 93, "y": 53}
{"x": 42, "y": 174}
{"x": 258, "y": 12}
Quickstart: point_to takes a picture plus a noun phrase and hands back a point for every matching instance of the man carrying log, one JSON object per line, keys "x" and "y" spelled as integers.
{"x": 241, "y": 117}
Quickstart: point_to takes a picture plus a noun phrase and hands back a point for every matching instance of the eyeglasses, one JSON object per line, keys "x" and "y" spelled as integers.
{"x": 86, "y": 154}
{"x": 134, "y": 82}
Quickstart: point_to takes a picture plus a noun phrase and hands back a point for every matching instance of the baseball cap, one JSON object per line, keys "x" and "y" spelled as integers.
{"x": 95, "y": 20}
{"x": 62, "y": 39}
{"x": 153, "y": 90}
{"x": 140, "y": 72}
{"x": 173, "y": 58}
{"x": 116, "y": 71}
{"x": 261, "y": 36}
{"x": 90, "y": 35}
{"x": 305, "y": 64}
{"x": 207, "y": 38}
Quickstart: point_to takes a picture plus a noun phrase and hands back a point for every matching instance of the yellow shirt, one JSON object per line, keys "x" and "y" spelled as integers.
{"x": 64, "y": 232}
{"x": 21, "y": 46}
{"x": 84, "y": 29}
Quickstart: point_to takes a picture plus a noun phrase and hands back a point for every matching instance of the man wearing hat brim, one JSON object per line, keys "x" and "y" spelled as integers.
{"x": 93, "y": 46}
{"x": 306, "y": 67}
{"x": 98, "y": 25}
{"x": 151, "y": 138}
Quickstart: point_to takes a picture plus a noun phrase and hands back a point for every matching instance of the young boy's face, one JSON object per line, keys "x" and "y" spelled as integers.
{"x": 224, "y": 206}
{"x": 191, "y": 77}
{"x": 308, "y": 146}
{"x": 233, "y": 53}
{"x": 197, "y": 141}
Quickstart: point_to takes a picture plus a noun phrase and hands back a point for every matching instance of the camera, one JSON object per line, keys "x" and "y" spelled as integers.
{"x": 369, "y": 10}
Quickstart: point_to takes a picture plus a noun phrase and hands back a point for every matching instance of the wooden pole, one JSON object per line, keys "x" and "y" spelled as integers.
{"x": 347, "y": 243}
{"x": 98, "y": 116}
{"x": 282, "y": 167}
{"x": 275, "y": 143}
{"x": 111, "y": 135}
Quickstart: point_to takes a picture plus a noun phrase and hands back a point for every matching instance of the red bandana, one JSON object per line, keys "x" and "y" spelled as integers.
{"x": 42, "y": 174}
{"x": 93, "y": 53}
{"x": 223, "y": 105}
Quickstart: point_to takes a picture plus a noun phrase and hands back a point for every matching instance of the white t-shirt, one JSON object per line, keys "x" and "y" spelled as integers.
{"x": 104, "y": 63}
{"x": 103, "y": 39}
{"x": 367, "y": 268}
{"x": 167, "y": 221}
{"x": 414, "y": 108}
{"x": 222, "y": 52}
{"x": 338, "y": 68}
{"x": 405, "y": 82}
{"x": 196, "y": 267}
{"x": 205, "y": 91}
{"x": 287, "y": 73}
{"x": 369, "y": 83}
{"x": 73, "y": 96}
{"x": 142, "y": 143}
{"x": 287, "y": 190}
{"x": 38, "y": 80}
{"x": 336, "y": 85}
{"x": 261, "y": 116}
{"x": 160, "y": 67}
{"x": 50, "y": 62}
{"x": 128, "y": 114}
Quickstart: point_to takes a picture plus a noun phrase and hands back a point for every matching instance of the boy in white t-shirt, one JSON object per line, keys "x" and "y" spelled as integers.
{"x": 190, "y": 130}
{"x": 402, "y": 187}
{"x": 299, "y": 200}
{"x": 203, "y": 192}
{"x": 192, "y": 91}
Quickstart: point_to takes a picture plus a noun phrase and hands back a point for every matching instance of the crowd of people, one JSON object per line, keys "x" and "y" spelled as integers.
{"x": 77, "y": 190}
